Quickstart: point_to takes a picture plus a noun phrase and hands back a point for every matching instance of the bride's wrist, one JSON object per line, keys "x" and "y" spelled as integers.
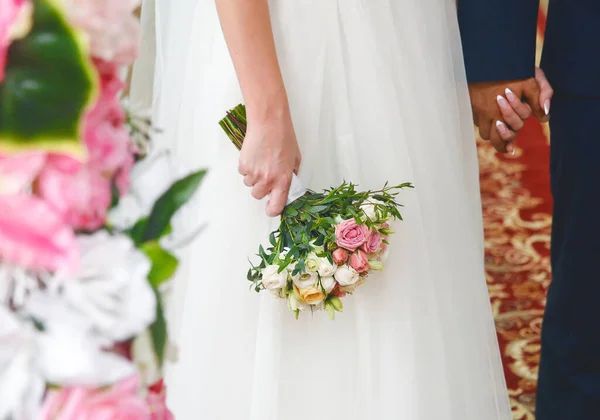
{"x": 268, "y": 108}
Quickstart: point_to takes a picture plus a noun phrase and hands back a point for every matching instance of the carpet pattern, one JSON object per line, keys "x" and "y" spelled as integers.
{"x": 517, "y": 217}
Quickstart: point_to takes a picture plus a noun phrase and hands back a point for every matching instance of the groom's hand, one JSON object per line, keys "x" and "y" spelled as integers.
{"x": 498, "y": 123}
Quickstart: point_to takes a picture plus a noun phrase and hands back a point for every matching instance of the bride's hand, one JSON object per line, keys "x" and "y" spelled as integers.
{"x": 269, "y": 156}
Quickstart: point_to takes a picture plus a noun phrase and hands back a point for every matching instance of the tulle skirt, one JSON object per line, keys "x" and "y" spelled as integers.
{"x": 378, "y": 93}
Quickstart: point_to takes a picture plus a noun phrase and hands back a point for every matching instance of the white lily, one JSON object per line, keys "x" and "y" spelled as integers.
{"x": 111, "y": 289}
{"x": 69, "y": 352}
{"x": 21, "y": 383}
{"x": 63, "y": 349}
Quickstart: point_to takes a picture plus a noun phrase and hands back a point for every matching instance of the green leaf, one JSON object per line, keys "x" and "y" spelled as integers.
{"x": 164, "y": 264}
{"x": 330, "y": 310}
{"x": 291, "y": 212}
{"x": 317, "y": 209}
{"x": 136, "y": 232}
{"x": 336, "y": 302}
{"x": 50, "y": 82}
{"x": 169, "y": 203}
{"x": 158, "y": 330}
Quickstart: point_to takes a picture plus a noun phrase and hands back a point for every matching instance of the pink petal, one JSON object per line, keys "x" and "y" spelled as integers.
{"x": 82, "y": 198}
{"x": 17, "y": 172}
{"x": 35, "y": 236}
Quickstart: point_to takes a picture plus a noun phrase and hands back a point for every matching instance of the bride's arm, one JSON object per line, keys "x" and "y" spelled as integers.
{"x": 270, "y": 153}
{"x": 246, "y": 25}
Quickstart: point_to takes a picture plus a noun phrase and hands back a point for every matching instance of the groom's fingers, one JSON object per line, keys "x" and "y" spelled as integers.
{"x": 485, "y": 129}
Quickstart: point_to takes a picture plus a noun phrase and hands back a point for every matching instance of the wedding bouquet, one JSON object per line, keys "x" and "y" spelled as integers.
{"x": 86, "y": 239}
{"x": 327, "y": 243}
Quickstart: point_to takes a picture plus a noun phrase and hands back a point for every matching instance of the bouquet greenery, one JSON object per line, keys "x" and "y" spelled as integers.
{"x": 327, "y": 242}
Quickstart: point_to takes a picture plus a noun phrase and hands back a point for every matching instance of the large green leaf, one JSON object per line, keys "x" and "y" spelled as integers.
{"x": 164, "y": 264}
{"x": 169, "y": 203}
{"x": 158, "y": 330}
{"x": 49, "y": 82}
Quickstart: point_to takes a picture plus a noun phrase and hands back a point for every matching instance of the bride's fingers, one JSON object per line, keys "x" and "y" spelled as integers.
{"x": 249, "y": 180}
{"x": 260, "y": 190}
{"x": 509, "y": 115}
{"x": 522, "y": 109}
{"x": 546, "y": 91}
{"x": 297, "y": 165}
{"x": 277, "y": 201}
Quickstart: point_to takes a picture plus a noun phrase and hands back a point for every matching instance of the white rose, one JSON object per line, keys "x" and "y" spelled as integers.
{"x": 326, "y": 268}
{"x": 328, "y": 283}
{"x": 346, "y": 275}
{"x": 305, "y": 280}
{"x": 271, "y": 279}
{"x": 369, "y": 208}
{"x": 311, "y": 263}
{"x": 318, "y": 249}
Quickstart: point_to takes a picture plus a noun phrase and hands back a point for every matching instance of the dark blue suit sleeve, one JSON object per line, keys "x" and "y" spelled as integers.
{"x": 499, "y": 38}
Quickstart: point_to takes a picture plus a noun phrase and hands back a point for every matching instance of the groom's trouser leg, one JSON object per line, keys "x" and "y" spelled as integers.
{"x": 569, "y": 379}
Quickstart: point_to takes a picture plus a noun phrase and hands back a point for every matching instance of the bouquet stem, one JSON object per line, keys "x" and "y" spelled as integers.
{"x": 234, "y": 124}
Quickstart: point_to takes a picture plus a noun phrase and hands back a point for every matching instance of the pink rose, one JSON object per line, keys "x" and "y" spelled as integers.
{"x": 350, "y": 235}
{"x": 373, "y": 243}
{"x": 340, "y": 256}
{"x": 82, "y": 197}
{"x": 359, "y": 261}
{"x": 15, "y": 22}
{"x": 106, "y": 137}
{"x": 156, "y": 400}
{"x": 120, "y": 402}
{"x": 33, "y": 235}
{"x": 384, "y": 245}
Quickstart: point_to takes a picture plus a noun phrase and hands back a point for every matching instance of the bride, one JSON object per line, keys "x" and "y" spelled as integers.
{"x": 362, "y": 90}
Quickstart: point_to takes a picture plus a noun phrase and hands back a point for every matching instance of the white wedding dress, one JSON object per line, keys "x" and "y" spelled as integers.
{"x": 378, "y": 93}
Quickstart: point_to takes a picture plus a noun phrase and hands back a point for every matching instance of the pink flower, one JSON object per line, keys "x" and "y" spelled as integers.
{"x": 120, "y": 402}
{"x": 156, "y": 400}
{"x": 359, "y": 261}
{"x": 33, "y": 235}
{"x": 15, "y": 22}
{"x": 337, "y": 291}
{"x": 111, "y": 26}
{"x": 373, "y": 243}
{"x": 106, "y": 136}
{"x": 17, "y": 172}
{"x": 340, "y": 256}
{"x": 123, "y": 178}
{"x": 350, "y": 235}
{"x": 82, "y": 197}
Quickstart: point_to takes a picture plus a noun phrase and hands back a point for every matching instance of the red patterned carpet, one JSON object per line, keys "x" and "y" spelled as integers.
{"x": 517, "y": 215}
